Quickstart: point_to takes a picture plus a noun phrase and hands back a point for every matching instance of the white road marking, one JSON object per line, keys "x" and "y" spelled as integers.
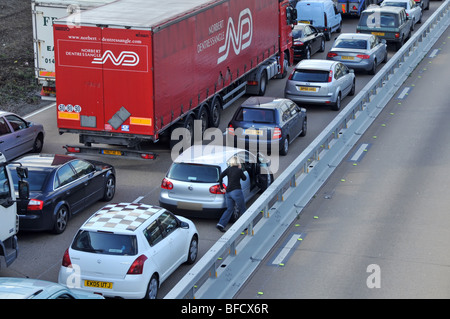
{"x": 137, "y": 200}
{"x": 359, "y": 152}
{"x": 286, "y": 249}
{"x": 434, "y": 53}
{"x": 404, "y": 93}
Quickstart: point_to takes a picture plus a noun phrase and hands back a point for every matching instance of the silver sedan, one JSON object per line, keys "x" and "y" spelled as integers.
{"x": 18, "y": 136}
{"x": 359, "y": 51}
{"x": 320, "y": 82}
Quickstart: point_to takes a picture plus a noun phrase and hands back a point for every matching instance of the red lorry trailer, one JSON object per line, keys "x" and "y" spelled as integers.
{"x": 130, "y": 71}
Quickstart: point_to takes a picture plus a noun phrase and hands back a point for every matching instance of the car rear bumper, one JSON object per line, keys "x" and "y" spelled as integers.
{"x": 310, "y": 100}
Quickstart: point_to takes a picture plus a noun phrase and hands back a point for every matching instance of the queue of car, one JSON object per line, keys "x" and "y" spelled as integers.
{"x": 142, "y": 245}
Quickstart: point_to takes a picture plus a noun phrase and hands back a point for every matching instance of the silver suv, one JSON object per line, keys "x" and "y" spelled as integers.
{"x": 191, "y": 186}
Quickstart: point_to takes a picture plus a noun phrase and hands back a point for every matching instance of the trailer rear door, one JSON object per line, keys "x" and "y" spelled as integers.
{"x": 104, "y": 79}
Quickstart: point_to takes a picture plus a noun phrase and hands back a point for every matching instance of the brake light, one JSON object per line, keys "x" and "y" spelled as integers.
{"x": 166, "y": 184}
{"x": 291, "y": 75}
{"x": 330, "y": 76}
{"x": 72, "y": 149}
{"x": 276, "y": 133}
{"x": 363, "y": 56}
{"x": 397, "y": 35}
{"x": 66, "y": 262}
{"x": 355, "y": 8}
{"x": 331, "y": 55}
{"x": 147, "y": 156}
{"x": 137, "y": 267}
{"x": 230, "y": 129}
{"x": 35, "y": 204}
{"x": 216, "y": 189}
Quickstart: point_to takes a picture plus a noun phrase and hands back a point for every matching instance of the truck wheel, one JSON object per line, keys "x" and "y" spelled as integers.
{"x": 262, "y": 84}
{"x": 214, "y": 114}
{"x": 203, "y": 115}
{"x": 189, "y": 125}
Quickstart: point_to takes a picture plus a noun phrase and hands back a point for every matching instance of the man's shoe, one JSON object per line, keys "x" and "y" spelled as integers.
{"x": 219, "y": 227}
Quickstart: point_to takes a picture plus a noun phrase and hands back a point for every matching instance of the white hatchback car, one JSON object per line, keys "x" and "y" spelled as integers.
{"x": 127, "y": 250}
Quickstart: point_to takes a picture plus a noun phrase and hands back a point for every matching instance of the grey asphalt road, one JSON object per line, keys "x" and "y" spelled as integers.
{"x": 380, "y": 226}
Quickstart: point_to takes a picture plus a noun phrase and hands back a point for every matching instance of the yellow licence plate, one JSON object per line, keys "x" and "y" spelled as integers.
{"x": 306, "y": 89}
{"x": 253, "y": 132}
{"x": 348, "y": 58}
{"x": 98, "y": 284}
{"x": 305, "y": 21}
{"x": 378, "y": 33}
{"x": 112, "y": 152}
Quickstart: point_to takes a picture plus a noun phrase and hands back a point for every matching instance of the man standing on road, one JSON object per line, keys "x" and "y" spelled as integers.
{"x": 233, "y": 194}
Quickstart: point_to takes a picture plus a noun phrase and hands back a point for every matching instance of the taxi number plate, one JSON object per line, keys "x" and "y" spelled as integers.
{"x": 378, "y": 33}
{"x": 98, "y": 284}
{"x": 253, "y": 132}
{"x": 348, "y": 58}
{"x": 112, "y": 152}
{"x": 306, "y": 89}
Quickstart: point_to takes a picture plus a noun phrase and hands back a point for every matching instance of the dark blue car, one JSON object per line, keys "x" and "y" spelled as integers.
{"x": 264, "y": 121}
{"x": 61, "y": 186}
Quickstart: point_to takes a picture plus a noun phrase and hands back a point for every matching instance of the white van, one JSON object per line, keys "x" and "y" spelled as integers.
{"x": 323, "y": 14}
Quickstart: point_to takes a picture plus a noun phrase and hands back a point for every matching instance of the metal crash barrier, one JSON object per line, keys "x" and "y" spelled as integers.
{"x": 222, "y": 271}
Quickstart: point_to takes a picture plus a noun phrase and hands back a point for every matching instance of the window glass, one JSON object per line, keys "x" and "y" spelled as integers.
{"x": 36, "y": 179}
{"x": 168, "y": 222}
{"x": 4, "y": 128}
{"x": 82, "y": 167}
{"x": 256, "y": 115}
{"x": 16, "y": 122}
{"x": 105, "y": 243}
{"x": 64, "y": 176}
{"x": 5, "y": 189}
{"x": 194, "y": 173}
{"x": 153, "y": 234}
{"x": 310, "y": 76}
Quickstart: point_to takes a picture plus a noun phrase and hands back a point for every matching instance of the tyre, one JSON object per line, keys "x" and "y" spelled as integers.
{"x": 203, "y": 116}
{"x": 193, "y": 250}
{"x": 285, "y": 146}
{"x": 61, "y": 219}
{"x": 373, "y": 69}
{"x": 322, "y": 45}
{"x": 110, "y": 188}
{"x": 262, "y": 84}
{"x": 38, "y": 144}
{"x": 337, "y": 105}
{"x": 353, "y": 89}
{"x": 152, "y": 289}
{"x": 304, "y": 127}
{"x": 215, "y": 112}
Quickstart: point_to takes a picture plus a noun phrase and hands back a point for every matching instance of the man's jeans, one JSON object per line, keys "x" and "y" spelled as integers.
{"x": 232, "y": 199}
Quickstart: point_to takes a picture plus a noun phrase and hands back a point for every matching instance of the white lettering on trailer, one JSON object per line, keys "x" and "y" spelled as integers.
{"x": 239, "y": 39}
{"x": 126, "y": 58}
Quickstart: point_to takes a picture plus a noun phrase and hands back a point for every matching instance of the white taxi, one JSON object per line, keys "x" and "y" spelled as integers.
{"x": 127, "y": 250}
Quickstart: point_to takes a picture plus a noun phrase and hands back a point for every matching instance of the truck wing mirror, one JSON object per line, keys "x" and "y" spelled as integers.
{"x": 22, "y": 172}
{"x": 24, "y": 190}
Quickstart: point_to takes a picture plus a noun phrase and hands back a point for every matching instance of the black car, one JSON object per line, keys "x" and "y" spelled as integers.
{"x": 61, "y": 186}
{"x": 265, "y": 120}
{"x": 307, "y": 40}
